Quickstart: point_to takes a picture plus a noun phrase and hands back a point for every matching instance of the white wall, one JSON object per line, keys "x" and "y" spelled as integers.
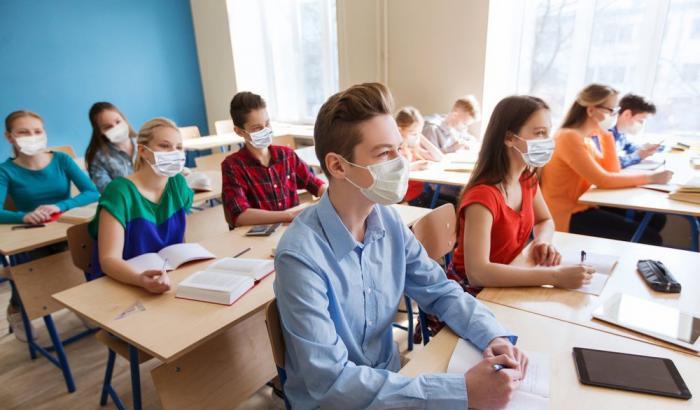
{"x": 213, "y": 38}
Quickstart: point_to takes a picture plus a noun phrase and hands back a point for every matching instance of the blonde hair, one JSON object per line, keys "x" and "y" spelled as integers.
{"x": 407, "y": 116}
{"x": 591, "y": 96}
{"x": 469, "y": 104}
{"x": 17, "y": 115}
{"x": 337, "y": 124}
{"x": 148, "y": 130}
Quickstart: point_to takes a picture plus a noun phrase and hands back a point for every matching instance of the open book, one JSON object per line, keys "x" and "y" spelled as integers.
{"x": 603, "y": 265}
{"x": 225, "y": 280}
{"x": 533, "y": 393}
{"x": 171, "y": 257}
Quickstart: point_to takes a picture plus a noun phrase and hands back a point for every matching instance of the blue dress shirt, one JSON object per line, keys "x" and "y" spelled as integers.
{"x": 337, "y": 299}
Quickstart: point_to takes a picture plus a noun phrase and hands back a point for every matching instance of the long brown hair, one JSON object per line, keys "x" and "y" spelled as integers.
{"x": 592, "y": 95}
{"x": 508, "y": 117}
{"x": 98, "y": 141}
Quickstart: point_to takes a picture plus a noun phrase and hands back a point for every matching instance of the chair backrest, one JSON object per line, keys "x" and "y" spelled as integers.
{"x": 81, "y": 246}
{"x": 223, "y": 127}
{"x": 285, "y": 140}
{"x": 274, "y": 332}
{"x": 189, "y": 132}
{"x": 436, "y": 231}
{"x": 211, "y": 162}
{"x": 66, "y": 149}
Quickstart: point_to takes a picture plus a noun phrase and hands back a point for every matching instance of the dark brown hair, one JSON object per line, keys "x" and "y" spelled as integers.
{"x": 19, "y": 114}
{"x": 592, "y": 95}
{"x": 98, "y": 141}
{"x": 637, "y": 104}
{"x": 242, "y": 104}
{"x": 407, "y": 116}
{"x": 336, "y": 128}
{"x": 508, "y": 117}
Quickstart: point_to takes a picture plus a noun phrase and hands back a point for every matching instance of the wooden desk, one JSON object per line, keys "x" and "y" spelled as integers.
{"x": 298, "y": 131}
{"x": 211, "y": 141}
{"x": 577, "y": 307}
{"x": 308, "y": 155}
{"x": 542, "y": 334}
{"x": 216, "y": 185}
{"x": 22, "y": 240}
{"x": 79, "y": 215}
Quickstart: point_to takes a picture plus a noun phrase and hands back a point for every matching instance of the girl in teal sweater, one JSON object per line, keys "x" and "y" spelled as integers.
{"x": 38, "y": 182}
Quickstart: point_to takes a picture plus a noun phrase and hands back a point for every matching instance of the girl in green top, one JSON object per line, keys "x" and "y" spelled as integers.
{"x": 145, "y": 211}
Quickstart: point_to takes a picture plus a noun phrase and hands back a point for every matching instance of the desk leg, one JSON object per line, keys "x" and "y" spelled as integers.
{"x": 694, "y": 232}
{"x": 436, "y": 195}
{"x": 135, "y": 377}
{"x": 642, "y": 226}
{"x": 60, "y": 353}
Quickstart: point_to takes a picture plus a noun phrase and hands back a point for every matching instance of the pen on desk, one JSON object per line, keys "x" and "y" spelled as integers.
{"x": 241, "y": 252}
{"x": 583, "y": 257}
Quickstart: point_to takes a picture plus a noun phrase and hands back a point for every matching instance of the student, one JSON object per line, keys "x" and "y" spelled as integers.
{"x": 260, "y": 181}
{"x": 343, "y": 265}
{"x": 577, "y": 164}
{"x": 416, "y": 148}
{"x": 634, "y": 111}
{"x": 38, "y": 182}
{"x": 145, "y": 211}
{"x": 502, "y": 205}
{"x": 112, "y": 149}
{"x": 450, "y": 132}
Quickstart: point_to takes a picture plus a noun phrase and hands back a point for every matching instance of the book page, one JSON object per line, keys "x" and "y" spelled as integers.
{"x": 217, "y": 281}
{"x": 254, "y": 268}
{"x": 147, "y": 261}
{"x": 181, "y": 253}
{"x": 533, "y": 392}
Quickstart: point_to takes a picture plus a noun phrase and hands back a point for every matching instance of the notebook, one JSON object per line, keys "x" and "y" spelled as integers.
{"x": 603, "y": 265}
{"x": 225, "y": 280}
{"x": 688, "y": 192}
{"x": 199, "y": 182}
{"x": 533, "y": 393}
{"x": 171, "y": 256}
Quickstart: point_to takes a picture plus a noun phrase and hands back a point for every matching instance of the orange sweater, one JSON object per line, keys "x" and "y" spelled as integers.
{"x": 576, "y": 165}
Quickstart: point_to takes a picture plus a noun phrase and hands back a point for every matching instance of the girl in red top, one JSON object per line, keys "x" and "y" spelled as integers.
{"x": 501, "y": 205}
{"x": 416, "y": 148}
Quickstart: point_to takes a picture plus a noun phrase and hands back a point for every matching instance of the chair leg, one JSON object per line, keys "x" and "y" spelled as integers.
{"x": 409, "y": 314}
{"x": 425, "y": 332}
{"x": 107, "y": 383}
{"x": 135, "y": 377}
{"x": 60, "y": 353}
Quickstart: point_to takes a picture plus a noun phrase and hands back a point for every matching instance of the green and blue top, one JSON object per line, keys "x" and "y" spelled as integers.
{"x": 50, "y": 185}
{"x": 148, "y": 227}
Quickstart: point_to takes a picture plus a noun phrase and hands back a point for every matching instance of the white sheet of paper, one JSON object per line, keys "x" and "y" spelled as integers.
{"x": 183, "y": 252}
{"x": 147, "y": 261}
{"x": 533, "y": 392}
{"x": 601, "y": 263}
{"x": 595, "y": 287}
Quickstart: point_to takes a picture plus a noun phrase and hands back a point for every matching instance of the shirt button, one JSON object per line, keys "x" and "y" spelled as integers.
{"x": 369, "y": 290}
{"x": 274, "y": 186}
{"x": 369, "y": 322}
{"x": 279, "y": 204}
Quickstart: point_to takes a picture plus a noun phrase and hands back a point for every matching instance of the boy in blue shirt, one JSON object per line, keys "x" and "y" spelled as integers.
{"x": 344, "y": 264}
{"x": 634, "y": 111}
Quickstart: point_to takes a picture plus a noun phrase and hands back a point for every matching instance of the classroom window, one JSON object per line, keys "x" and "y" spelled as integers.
{"x": 553, "y": 48}
{"x": 286, "y": 51}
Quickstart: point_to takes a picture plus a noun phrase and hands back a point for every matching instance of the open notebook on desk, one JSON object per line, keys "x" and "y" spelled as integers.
{"x": 603, "y": 265}
{"x": 533, "y": 393}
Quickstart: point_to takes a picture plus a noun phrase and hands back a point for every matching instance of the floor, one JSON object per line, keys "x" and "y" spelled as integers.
{"x": 36, "y": 384}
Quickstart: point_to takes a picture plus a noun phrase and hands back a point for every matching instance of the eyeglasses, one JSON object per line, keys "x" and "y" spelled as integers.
{"x": 611, "y": 111}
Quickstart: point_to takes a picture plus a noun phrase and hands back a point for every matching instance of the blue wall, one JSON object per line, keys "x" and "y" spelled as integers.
{"x": 60, "y": 56}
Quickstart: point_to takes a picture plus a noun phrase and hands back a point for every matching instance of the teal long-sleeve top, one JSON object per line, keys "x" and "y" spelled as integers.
{"x": 48, "y": 186}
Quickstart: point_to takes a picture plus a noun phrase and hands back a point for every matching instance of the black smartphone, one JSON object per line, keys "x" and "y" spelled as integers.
{"x": 262, "y": 230}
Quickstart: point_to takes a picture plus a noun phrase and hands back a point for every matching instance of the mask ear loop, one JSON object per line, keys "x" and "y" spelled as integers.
{"x": 371, "y": 173}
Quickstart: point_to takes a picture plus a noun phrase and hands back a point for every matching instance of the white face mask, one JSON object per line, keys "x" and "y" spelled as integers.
{"x": 539, "y": 152}
{"x": 635, "y": 128}
{"x": 261, "y": 139}
{"x": 118, "y": 133}
{"x": 390, "y": 181}
{"x": 167, "y": 163}
{"x": 608, "y": 121}
{"x": 31, "y": 145}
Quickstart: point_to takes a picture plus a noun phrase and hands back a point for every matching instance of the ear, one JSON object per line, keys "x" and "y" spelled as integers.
{"x": 509, "y": 140}
{"x": 591, "y": 111}
{"x": 335, "y": 165}
{"x": 239, "y": 131}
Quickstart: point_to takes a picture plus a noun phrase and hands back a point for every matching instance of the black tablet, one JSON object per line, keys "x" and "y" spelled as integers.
{"x": 262, "y": 230}
{"x": 644, "y": 374}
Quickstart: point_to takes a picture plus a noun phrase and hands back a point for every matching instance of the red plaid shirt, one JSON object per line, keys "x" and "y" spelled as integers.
{"x": 249, "y": 184}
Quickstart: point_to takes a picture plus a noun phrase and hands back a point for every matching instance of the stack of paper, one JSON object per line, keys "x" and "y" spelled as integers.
{"x": 688, "y": 192}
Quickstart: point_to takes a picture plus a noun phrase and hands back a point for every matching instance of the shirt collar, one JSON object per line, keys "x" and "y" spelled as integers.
{"x": 250, "y": 159}
{"x": 339, "y": 237}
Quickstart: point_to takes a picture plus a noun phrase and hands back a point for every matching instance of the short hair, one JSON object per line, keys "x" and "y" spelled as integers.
{"x": 469, "y": 104}
{"x": 17, "y": 115}
{"x": 336, "y": 128}
{"x": 637, "y": 104}
{"x": 242, "y": 104}
{"x": 407, "y": 116}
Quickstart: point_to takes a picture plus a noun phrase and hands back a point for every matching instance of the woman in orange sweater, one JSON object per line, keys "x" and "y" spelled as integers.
{"x": 577, "y": 164}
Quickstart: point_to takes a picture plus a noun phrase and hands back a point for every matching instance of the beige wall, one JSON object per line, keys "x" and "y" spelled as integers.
{"x": 213, "y": 38}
